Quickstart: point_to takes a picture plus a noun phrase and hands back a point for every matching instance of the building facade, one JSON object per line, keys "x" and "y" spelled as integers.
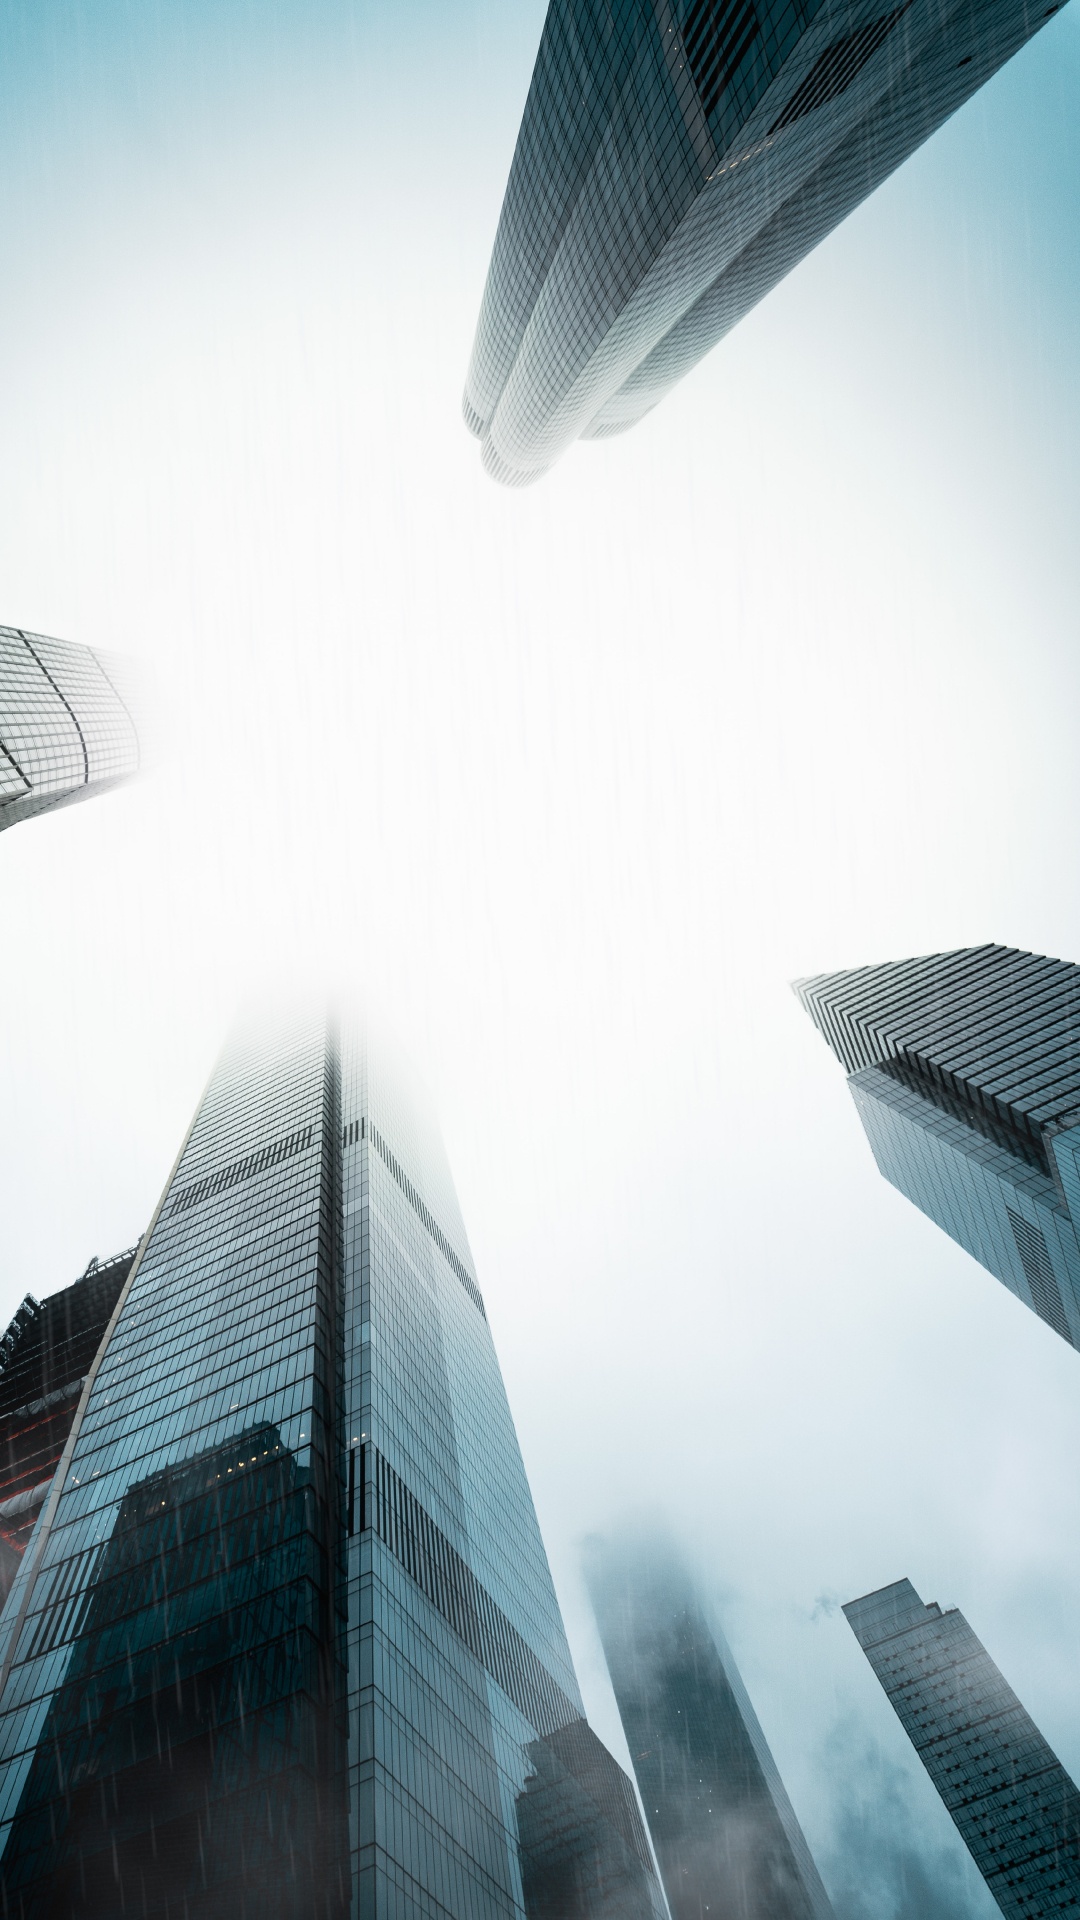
{"x": 284, "y": 1642}
{"x": 965, "y": 1069}
{"x": 45, "y": 1357}
{"x": 725, "y": 1834}
{"x": 67, "y": 723}
{"x": 1014, "y": 1805}
{"x": 676, "y": 158}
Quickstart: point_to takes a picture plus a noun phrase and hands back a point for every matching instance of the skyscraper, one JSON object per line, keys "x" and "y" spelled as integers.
{"x": 676, "y": 158}
{"x": 965, "y": 1069}
{"x": 1014, "y": 1805}
{"x": 284, "y": 1642}
{"x": 45, "y": 1356}
{"x": 725, "y": 1834}
{"x": 67, "y": 723}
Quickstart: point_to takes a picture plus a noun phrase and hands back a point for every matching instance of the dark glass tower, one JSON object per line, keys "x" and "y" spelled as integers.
{"x": 45, "y": 1356}
{"x": 675, "y": 160}
{"x": 67, "y": 723}
{"x": 965, "y": 1068}
{"x": 284, "y": 1643}
{"x": 724, "y": 1830}
{"x": 1014, "y": 1805}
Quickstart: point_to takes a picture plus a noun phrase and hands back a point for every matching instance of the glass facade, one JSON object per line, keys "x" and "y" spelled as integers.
{"x": 284, "y": 1640}
{"x": 67, "y": 723}
{"x": 676, "y": 158}
{"x": 1014, "y": 1805}
{"x": 725, "y": 1833}
{"x": 965, "y": 1069}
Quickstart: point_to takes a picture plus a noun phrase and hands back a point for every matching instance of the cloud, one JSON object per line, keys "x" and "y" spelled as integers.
{"x": 884, "y": 1864}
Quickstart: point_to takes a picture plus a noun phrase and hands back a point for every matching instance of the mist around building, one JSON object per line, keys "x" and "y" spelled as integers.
{"x": 694, "y": 1531}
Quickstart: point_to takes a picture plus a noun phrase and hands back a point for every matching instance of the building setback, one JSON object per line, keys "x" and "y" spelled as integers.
{"x": 724, "y": 1831}
{"x": 67, "y": 723}
{"x": 284, "y": 1643}
{"x": 1014, "y": 1805}
{"x": 965, "y": 1069}
{"x": 676, "y": 158}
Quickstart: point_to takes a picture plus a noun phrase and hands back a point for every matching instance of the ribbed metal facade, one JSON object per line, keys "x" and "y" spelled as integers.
{"x": 965, "y": 1069}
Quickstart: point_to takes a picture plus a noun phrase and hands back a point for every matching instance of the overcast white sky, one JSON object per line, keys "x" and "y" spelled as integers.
{"x": 573, "y": 781}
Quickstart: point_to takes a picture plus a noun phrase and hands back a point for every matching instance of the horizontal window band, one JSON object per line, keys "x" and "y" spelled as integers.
{"x": 357, "y": 1130}
{"x": 389, "y": 1510}
{"x": 245, "y": 1169}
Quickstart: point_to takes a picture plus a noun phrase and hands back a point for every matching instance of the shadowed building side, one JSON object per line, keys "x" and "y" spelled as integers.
{"x": 676, "y": 158}
{"x": 1012, "y": 1802}
{"x": 68, "y": 723}
{"x": 284, "y": 1645}
{"x": 45, "y": 1356}
{"x": 139, "y": 1756}
{"x": 965, "y": 1070}
{"x": 186, "y": 1764}
{"x": 724, "y": 1831}
{"x": 584, "y": 1854}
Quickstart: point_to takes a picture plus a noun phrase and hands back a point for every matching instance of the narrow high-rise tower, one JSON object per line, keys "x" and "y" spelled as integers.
{"x": 1014, "y": 1805}
{"x": 67, "y": 723}
{"x": 724, "y": 1830}
{"x": 965, "y": 1069}
{"x": 676, "y": 158}
{"x": 284, "y": 1642}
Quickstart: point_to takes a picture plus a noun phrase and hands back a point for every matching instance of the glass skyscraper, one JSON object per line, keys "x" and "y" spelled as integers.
{"x": 676, "y": 158}
{"x": 965, "y": 1069}
{"x": 1014, "y": 1805}
{"x": 67, "y": 723}
{"x": 284, "y": 1642}
{"x": 725, "y": 1833}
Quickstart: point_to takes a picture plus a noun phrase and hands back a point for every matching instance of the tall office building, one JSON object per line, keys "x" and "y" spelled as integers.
{"x": 1014, "y": 1805}
{"x": 284, "y": 1642}
{"x": 67, "y": 723}
{"x": 965, "y": 1069}
{"x": 675, "y": 160}
{"x": 45, "y": 1356}
{"x": 725, "y": 1834}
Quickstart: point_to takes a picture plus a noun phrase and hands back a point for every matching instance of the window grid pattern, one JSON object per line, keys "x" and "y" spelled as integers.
{"x": 665, "y": 179}
{"x": 1012, "y": 1802}
{"x": 965, "y": 1068}
{"x": 67, "y": 723}
{"x": 458, "y": 1656}
{"x": 171, "y": 1725}
{"x": 449, "y": 1583}
{"x": 837, "y": 67}
{"x": 1038, "y": 1271}
{"x": 242, "y": 1170}
{"x": 215, "y": 1687}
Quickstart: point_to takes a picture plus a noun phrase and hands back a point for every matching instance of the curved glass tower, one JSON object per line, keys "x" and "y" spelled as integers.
{"x": 678, "y": 157}
{"x": 284, "y": 1641}
{"x": 67, "y": 723}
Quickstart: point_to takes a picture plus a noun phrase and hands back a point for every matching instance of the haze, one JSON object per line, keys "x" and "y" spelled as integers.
{"x": 570, "y": 783}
